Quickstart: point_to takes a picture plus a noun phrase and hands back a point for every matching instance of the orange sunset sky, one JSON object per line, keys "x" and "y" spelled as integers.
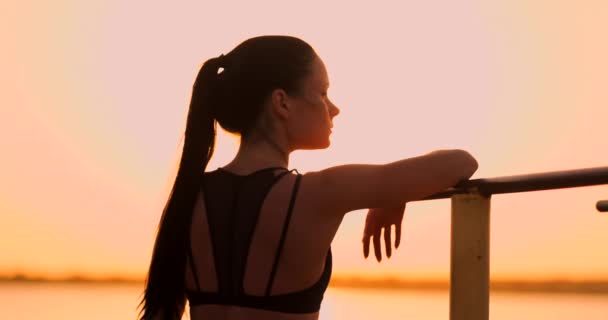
{"x": 94, "y": 96}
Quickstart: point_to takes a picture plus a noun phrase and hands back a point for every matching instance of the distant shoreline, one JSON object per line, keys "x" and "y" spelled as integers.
{"x": 527, "y": 286}
{"x": 71, "y": 279}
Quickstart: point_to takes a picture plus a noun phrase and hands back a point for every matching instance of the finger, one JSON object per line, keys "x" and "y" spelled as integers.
{"x": 366, "y": 246}
{"x": 397, "y": 235}
{"x": 365, "y": 239}
{"x": 387, "y": 241}
{"x": 377, "y": 248}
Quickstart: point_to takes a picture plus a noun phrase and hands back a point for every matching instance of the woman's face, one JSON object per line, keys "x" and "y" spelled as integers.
{"x": 311, "y": 112}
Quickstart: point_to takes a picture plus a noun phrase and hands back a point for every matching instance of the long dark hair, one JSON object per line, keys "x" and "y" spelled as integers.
{"x": 234, "y": 98}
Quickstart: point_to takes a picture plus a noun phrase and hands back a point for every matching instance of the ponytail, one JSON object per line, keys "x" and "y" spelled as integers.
{"x": 164, "y": 293}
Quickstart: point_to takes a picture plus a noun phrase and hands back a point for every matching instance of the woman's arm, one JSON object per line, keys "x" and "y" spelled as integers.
{"x": 358, "y": 186}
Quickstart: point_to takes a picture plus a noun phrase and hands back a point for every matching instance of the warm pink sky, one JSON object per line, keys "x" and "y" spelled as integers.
{"x": 94, "y": 96}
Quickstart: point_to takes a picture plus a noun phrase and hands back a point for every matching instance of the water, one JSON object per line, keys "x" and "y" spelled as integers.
{"x": 20, "y": 301}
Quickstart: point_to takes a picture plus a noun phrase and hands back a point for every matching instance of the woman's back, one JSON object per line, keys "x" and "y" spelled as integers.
{"x": 234, "y": 244}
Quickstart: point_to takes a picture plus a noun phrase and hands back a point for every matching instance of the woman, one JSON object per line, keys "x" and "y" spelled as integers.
{"x": 251, "y": 240}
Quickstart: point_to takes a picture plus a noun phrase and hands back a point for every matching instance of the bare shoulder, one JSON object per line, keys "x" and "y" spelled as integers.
{"x": 311, "y": 195}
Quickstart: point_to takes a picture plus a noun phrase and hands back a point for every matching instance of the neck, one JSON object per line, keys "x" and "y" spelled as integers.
{"x": 261, "y": 153}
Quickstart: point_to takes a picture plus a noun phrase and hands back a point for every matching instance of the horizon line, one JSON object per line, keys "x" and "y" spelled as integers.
{"x": 595, "y": 286}
{"x": 338, "y": 277}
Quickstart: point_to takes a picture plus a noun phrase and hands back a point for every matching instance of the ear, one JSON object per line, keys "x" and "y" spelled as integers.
{"x": 279, "y": 104}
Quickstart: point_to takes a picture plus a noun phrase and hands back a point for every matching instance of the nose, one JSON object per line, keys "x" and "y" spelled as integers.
{"x": 334, "y": 110}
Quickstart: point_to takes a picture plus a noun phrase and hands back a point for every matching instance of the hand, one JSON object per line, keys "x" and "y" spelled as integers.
{"x": 378, "y": 219}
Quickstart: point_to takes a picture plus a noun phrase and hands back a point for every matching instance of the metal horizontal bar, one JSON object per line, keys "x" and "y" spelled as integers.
{"x": 529, "y": 182}
{"x": 602, "y": 206}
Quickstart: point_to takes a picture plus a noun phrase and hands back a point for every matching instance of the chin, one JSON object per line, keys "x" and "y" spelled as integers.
{"x": 316, "y": 145}
{"x": 324, "y": 143}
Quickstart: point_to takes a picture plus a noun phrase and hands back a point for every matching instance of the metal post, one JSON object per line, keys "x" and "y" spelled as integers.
{"x": 470, "y": 257}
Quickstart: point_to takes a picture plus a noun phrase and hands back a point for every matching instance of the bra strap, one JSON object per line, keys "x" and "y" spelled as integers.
{"x": 283, "y": 235}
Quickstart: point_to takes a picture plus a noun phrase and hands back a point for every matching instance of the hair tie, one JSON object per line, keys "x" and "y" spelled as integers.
{"x": 221, "y": 61}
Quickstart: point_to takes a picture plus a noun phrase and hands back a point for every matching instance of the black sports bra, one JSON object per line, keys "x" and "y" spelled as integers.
{"x": 232, "y": 221}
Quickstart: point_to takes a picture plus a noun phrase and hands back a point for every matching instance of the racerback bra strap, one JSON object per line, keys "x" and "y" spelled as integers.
{"x": 283, "y": 235}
